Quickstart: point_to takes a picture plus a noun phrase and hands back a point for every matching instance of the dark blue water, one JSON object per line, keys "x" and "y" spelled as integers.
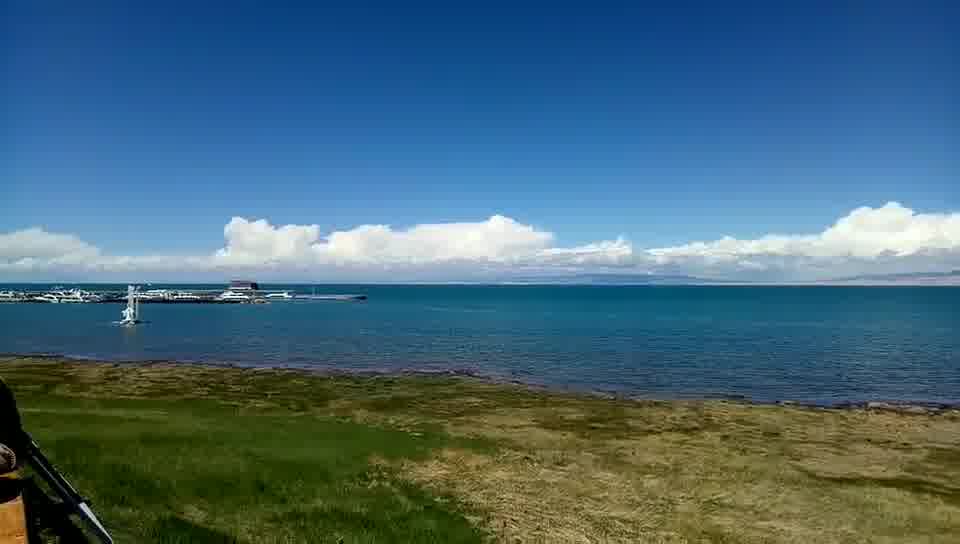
{"x": 811, "y": 344}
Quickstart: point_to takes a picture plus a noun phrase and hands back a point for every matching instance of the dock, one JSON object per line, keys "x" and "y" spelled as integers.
{"x": 332, "y": 297}
{"x": 248, "y": 294}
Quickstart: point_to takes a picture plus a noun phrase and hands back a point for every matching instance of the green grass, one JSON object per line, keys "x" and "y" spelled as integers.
{"x": 176, "y": 453}
{"x": 204, "y": 471}
{"x": 192, "y": 471}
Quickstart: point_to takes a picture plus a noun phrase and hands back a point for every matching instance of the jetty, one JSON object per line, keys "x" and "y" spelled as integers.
{"x": 333, "y": 297}
{"x": 237, "y": 292}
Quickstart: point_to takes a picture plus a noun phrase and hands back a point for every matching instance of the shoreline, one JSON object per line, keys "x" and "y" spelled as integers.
{"x": 896, "y": 406}
{"x": 404, "y": 453}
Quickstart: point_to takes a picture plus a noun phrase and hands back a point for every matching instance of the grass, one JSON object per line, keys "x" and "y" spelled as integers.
{"x": 176, "y": 453}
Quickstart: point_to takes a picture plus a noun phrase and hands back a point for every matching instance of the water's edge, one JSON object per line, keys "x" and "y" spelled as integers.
{"x": 899, "y": 406}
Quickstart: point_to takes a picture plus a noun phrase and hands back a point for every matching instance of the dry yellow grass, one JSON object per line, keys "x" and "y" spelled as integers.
{"x": 572, "y": 469}
{"x": 710, "y": 472}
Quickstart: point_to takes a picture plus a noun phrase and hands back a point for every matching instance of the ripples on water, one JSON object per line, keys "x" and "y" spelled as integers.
{"x": 814, "y": 344}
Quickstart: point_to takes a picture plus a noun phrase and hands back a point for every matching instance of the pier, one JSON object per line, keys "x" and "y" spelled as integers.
{"x": 248, "y": 293}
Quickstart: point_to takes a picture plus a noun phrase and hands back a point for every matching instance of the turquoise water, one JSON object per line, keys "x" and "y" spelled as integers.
{"x": 812, "y": 344}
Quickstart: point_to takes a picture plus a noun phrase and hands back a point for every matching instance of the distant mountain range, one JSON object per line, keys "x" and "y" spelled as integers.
{"x": 909, "y": 278}
{"x": 619, "y": 279}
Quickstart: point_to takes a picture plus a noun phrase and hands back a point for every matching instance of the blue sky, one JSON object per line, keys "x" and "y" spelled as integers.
{"x": 143, "y": 128}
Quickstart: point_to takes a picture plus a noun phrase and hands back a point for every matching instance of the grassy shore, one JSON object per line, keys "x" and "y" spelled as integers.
{"x": 178, "y": 453}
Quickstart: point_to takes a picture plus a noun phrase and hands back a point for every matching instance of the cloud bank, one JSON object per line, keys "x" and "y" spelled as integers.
{"x": 864, "y": 233}
{"x": 891, "y": 238}
{"x": 498, "y": 239}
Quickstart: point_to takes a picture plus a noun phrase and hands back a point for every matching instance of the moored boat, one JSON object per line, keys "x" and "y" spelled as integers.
{"x": 233, "y": 296}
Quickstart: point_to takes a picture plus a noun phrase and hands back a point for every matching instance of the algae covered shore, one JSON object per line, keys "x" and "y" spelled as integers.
{"x": 187, "y": 453}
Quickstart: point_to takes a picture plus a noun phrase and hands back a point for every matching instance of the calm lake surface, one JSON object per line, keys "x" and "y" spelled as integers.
{"x": 812, "y": 344}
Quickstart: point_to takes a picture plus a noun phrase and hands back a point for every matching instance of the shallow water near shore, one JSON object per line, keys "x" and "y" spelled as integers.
{"x": 822, "y": 345}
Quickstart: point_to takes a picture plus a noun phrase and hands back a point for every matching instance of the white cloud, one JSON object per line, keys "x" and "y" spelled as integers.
{"x": 863, "y": 234}
{"x": 29, "y": 248}
{"x": 894, "y": 229}
{"x": 251, "y": 243}
{"x": 498, "y": 239}
{"x": 609, "y": 252}
{"x": 888, "y": 238}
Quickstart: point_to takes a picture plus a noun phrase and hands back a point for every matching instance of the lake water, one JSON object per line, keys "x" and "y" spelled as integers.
{"x": 812, "y": 344}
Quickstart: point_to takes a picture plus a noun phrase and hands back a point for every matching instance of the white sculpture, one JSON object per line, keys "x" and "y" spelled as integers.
{"x": 131, "y": 314}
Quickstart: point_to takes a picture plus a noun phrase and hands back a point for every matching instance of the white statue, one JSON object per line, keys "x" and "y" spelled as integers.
{"x": 131, "y": 314}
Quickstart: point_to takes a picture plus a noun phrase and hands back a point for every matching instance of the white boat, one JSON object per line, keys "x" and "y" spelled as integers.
{"x": 184, "y": 296}
{"x": 60, "y": 294}
{"x": 47, "y": 297}
{"x": 12, "y": 296}
{"x": 75, "y": 296}
{"x": 285, "y": 295}
{"x": 154, "y": 294}
{"x": 233, "y": 296}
